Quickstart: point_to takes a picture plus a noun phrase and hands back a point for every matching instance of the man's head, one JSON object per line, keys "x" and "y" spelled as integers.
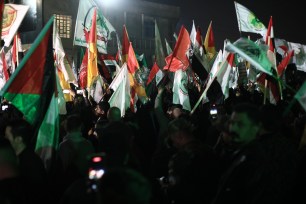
{"x": 102, "y": 108}
{"x": 244, "y": 123}
{"x": 174, "y": 111}
{"x": 114, "y": 114}
{"x": 73, "y": 123}
{"x": 19, "y": 133}
{"x": 180, "y": 132}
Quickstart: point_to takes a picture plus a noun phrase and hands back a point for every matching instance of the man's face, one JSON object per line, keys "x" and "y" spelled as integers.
{"x": 99, "y": 111}
{"x": 174, "y": 112}
{"x": 242, "y": 128}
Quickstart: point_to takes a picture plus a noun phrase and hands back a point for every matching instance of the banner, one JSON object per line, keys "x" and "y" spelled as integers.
{"x": 83, "y": 21}
{"x": 13, "y": 15}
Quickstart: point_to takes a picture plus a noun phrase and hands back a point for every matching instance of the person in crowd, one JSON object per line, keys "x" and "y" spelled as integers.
{"x": 124, "y": 185}
{"x": 73, "y": 152}
{"x": 12, "y": 187}
{"x": 264, "y": 166}
{"x": 114, "y": 114}
{"x": 193, "y": 170}
{"x": 19, "y": 132}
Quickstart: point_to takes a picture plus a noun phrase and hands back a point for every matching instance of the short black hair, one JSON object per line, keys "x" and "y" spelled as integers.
{"x": 250, "y": 109}
{"x": 104, "y": 105}
{"x": 176, "y": 105}
{"x": 73, "y": 122}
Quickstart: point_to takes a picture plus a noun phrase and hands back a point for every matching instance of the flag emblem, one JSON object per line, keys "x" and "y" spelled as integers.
{"x": 255, "y": 22}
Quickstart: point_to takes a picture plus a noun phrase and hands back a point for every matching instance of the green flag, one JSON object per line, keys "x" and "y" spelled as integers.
{"x": 31, "y": 86}
{"x": 252, "y": 53}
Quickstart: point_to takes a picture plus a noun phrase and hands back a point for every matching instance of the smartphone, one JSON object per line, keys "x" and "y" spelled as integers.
{"x": 4, "y": 107}
{"x": 96, "y": 170}
{"x": 213, "y": 112}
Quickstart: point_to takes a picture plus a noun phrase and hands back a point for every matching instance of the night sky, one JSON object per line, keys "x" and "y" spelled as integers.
{"x": 289, "y": 20}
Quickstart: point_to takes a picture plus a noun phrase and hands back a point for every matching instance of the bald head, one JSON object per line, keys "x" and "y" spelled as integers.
{"x": 114, "y": 114}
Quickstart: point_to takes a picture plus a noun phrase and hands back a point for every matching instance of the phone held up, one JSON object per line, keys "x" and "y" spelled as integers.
{"x": 96, "y": 170}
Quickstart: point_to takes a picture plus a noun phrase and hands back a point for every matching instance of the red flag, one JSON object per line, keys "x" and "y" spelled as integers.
{"x": 132, "y": 62}
{"x": 92, "y": 68}
{"x": 125, "y": 44}
{"x": 153, "y": 72}
{"x": 282, "y": 66}
{"x": 209, "y": 42}
{"x": 179, "y": 59}
{"x": 83, "y": 71}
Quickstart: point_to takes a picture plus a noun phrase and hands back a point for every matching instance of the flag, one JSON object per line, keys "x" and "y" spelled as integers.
{"x": 1, "y": 15}
{"x": 154, "y": 70}
{"x": 216, "y": 66}
{"x": 130, "y": 58}
{"x": 96, "y": 90}
{"x": 168, "y": 48}
{"x": 13, "y": 16}
{"x": 159, "y": 50}
{"x": 4, "y": 75}
{"x": 209, "y": 42}
{"x": 270, "y": 43}
{"x": 83, "y": 21}
{"x": 283, "y": 64}
{"x": 32, "y": 85}
{"x": 48, "y": 133}
{"x": 83, "y": 71}
{"x": 252, "y": 53}
{"x": 92, "y": 68}
{"x": 224, "y": 73}
{"x": 300, "y": 96}
{"x": 159, "y": 56}
{"x": 16, "y": 52}
{"x": 248, "y": 22}
{"x": 180, "y": 91}
{"x": 199, "y": 66}
{"x": 119, "y": 51}
{"x": 60, "y": 57}
{"x": 121, "y": 96}
{"x": 179, "y": 57}
{"x": 128, "y": 53}
{"x": 193, "y": 33}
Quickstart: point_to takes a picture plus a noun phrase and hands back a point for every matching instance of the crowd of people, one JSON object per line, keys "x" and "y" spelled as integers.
{"x": 246, "y": 153}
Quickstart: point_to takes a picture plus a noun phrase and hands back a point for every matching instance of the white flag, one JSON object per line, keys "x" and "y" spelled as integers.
{"x": 301, "y": 96}
{"x": 13, "y": 15}
{"x": 180, "y": 92}
{"x": 248, "y": 22}
{"x": 104, "y": 28}
{"x": 61, "y": 61}
{"x": 121, "y": 86}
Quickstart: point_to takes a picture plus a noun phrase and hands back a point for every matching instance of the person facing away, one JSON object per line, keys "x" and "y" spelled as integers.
{"x": 123, "y": 185}
{"x": 73, "y": 152}
{"x": 19, "y": 132}
{"x": 114, "y": 114}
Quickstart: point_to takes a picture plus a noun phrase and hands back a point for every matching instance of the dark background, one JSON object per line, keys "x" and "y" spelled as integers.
{"x": 289, "y": 19}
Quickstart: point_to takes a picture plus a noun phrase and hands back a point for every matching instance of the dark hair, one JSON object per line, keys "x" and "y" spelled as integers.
{"x": 251, "y": 110}
{"x": 104, "y": 105}
{"x": 73, "y": 122}
{"x": 124, "y": 185}
{"x": 20, "y": 127}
